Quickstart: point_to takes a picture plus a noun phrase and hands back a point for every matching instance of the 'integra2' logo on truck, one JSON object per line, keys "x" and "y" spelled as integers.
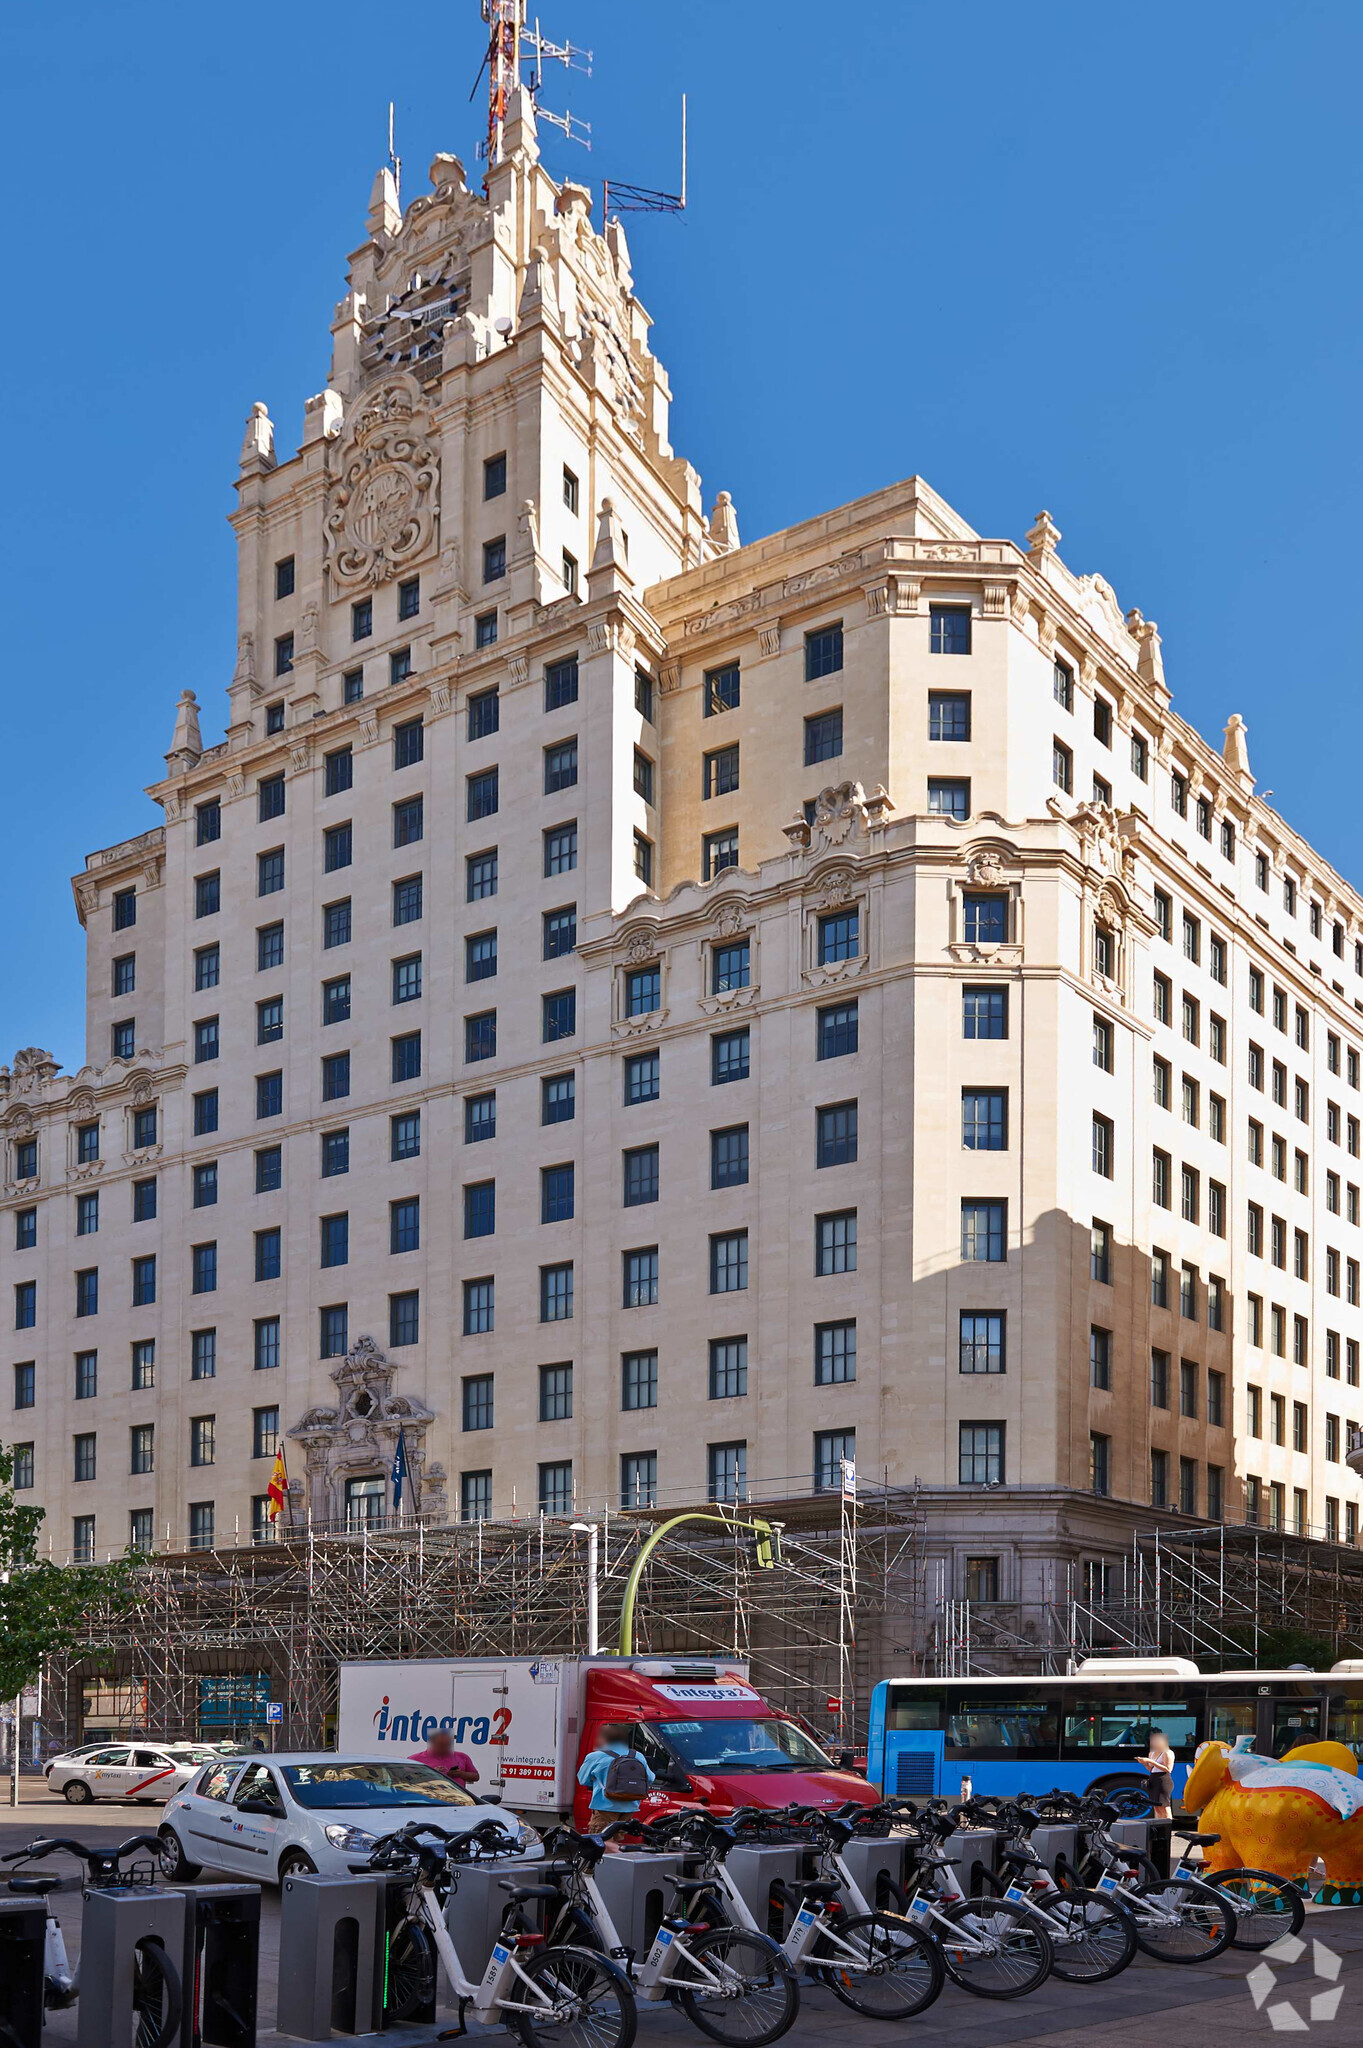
{"x": 419, "y": 1727}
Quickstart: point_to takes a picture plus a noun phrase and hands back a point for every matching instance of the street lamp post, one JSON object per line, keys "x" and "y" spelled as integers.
{"x": 590, "y": 1531}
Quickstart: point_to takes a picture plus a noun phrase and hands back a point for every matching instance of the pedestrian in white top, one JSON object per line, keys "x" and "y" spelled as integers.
{"x": 1160, "y": 1764}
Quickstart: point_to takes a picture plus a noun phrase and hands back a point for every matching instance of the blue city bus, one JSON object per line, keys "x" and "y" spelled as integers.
{"x": 1085, "y": 1733}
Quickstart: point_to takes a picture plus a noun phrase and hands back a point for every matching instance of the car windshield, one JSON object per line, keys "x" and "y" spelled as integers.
{"x": 371, "y": 1784}
{"x": 743, "y": 1746}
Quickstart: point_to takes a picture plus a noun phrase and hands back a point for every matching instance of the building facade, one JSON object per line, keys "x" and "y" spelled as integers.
{"x": 647, "y": 1019}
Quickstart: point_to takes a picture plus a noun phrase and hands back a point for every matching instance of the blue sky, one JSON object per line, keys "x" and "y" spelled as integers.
{"x": 1102, "y": 259}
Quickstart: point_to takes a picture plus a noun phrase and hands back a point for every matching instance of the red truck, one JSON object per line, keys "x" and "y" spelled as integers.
{"x": 710, "y": 1737}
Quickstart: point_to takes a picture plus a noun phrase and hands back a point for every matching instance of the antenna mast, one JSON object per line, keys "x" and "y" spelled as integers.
{"x": 511, "y": 43}
{"x": 394, "y": 160}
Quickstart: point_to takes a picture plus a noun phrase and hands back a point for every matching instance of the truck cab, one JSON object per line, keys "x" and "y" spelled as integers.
{"x": 710, "y": 1739}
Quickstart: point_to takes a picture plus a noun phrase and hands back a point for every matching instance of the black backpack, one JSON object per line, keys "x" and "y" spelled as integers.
{"x": 627, "y": 1777}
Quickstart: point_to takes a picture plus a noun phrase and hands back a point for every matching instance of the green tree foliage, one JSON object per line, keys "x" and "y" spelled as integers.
{"x": 46, "y": 1608}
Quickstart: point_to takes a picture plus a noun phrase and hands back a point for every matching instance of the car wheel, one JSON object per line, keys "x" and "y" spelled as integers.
{"x": 176, "y": 1867}
{"x": 296, "y": 1863}
{"x": 77, "y": 1792}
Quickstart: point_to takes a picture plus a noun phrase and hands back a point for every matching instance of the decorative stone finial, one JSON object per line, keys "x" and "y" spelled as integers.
{"x": 257, "y": 448}
{"x": 385, "y": 208}
{"x": 1149, "y": 662}
{"x": 538, "y": 293}
{"x": 610, "y": 563}
{"x": 186, "y": 746}
{"x": 446, "y": 170}
{"x": 1236, "y": 749}
{"x": 724, "y": 525}
{"x": 1045, "y": 537}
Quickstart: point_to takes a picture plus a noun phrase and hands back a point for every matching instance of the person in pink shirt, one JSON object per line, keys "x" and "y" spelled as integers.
{"x": 441, "y": 1754}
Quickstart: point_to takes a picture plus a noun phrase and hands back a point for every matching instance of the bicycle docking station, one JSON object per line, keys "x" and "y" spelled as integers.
{"x": 331, "y": 1936}
{"x": 23, "y": 1931}
{"x": 971, "y": 1850}
{"x": 113, "y": 1924}
{"x": 476, "y": 1908}
{"x": 1053, "y": 1840}
{"x": 874, "y": 1860}
{"x": 219, "y": 1965}
{"x": 754, "y": 1870}
{"x": 636, "y": 1895}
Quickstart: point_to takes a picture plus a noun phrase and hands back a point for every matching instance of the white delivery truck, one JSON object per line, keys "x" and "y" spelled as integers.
{"x": 527, "y": 1722}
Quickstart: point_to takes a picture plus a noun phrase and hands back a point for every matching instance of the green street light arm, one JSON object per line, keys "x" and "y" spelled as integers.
{"x": 768, "y": 1555}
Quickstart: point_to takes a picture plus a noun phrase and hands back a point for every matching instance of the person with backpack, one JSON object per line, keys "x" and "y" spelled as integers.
{"x": 618, "y": 1777}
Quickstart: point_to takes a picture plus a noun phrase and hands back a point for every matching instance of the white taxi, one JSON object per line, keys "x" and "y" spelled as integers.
{"x": 144, "y": 1771}
{"x": 269, "y": 1819}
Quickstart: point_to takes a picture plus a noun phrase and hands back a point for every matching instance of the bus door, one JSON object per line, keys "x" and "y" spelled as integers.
{"x": 906, "y": 1750}
{"x": 1346, "y": 1723}
{"x": 1295, "y": 1721}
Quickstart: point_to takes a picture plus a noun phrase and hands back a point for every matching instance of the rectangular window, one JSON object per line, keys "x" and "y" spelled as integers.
{"x": 1102, "y": 1044}
{"x": 264, "y": 1432}
{"x": 835, "y": 1353}
{"x": 494, "y": 559}
{"x": 404, "y": 1135}
{"x": 640, "y": 1171}
{"x": 839, "y": 937}
{"x": 982, "y": 1343}
{"x": 270, "y": 1020}
{"x": 1159, "y": 1479}
{"x": 203, "y": 1440}
{"x": 480, "y": 1117}
{"x": 24, "y": 1394}
{"x": 83, "y": 1457}
{"x": 87, "y": 1375}
{"x": 730, "y": 967}
{"x": 1100, "y": 1358}
{"x": 144, "y": 1281}
{"x": 270, "y": 1088}
{"x": 123, "y": 1040}
{"x": 719, "y": 850}
{"x": 722, "y": 690}
{"x": 124, "y": 909}
{"x": 984, "y": 919}
{"x": 727, "y": 1471}
{"x": 719, "y": 772}
{"x": 836, "y": 1134}
{"x": 949, "y": 628}
{"x": 835, "y": 1242}
{"x": 981, "y": 1453}
{"x": 558, "y": 1193}
{"x": 479, "y": 1310}
{"x": 556, "y": 1393}
{"x": 556, "y": 1293}
{"x": 336, "y": 1000}
{"x": 558, "y": 1015}
{"x": 728, "y": 1156}
{"x": 477, "y": 1408}
{"x": 729, "y": 1262}
{"x": 642, "y": 1077}
{"x": 269, "y": 1251}
{"x": 838, "y": 1030}
{"x": 338, "y": 847}
{"x": 87, "y": 1215}
{"x": 643, "y": 775}
{"x": 1102, "y": 1148}
{"x": 334, "y": 1327}
{"x": 560, "y": 849}
{"x": 835, "y": 1454}
{"x": 269, "y": 947}
{"x": 270, "y": 872}
{"x": 207, "y": 894}
{"x": 409, "y": 821}
{"x": 362, "y": 619}
{"x": 407, "y": 978}
{"x": 87, "y": 1295}
{"x": 404, "y": 1319}
{"x": 639, "y": 1379}
{"x": 1062, "y": 767}
{"x": 338, "y": 771}
{"x": 352, "y": 686}
{"x": 823, "y": 738}
{"x": 559, "y": 934}
{"x": 480, "y": 1036}
{"x": 558, "y": 1098}
{"x": 1100, "y": 1253}
{"x": 949, "y": 797}
{"x": 984, "y": 1013}
{"x": 560, "y": 683}
{"x": 269, "y": 798}
{"x": 641, "y": 1277}
{"x": 984, "y": 1231}
{"x": 142, "y": 1449}
{"x": 266, "y": 1349}
{"x": 643, "y": 859}
{"x": 731, "y": 1053}
{"x": 984, "y": 1119}
{"x": 480, "y": 1209}
{"x": 556, "y": 1488}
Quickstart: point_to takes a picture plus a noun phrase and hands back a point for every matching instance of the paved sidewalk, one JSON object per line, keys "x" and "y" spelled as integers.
{"x": 1151, "y": 2005}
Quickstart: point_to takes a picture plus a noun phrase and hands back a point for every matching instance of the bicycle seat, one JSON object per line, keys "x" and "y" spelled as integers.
{"x": 520, "y": 1892}
{"x": 693, "y": 1884}
{"x": 814, "y": 1888}
{"x": 36, "y": 1884}
{"x": 1200, "y": 1841}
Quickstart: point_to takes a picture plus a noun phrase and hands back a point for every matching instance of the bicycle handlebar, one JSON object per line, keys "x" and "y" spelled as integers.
{"x": 47, "y": 1844}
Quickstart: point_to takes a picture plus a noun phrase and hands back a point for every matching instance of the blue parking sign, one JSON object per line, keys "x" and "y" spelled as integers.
{"x": 274, "y": 1710}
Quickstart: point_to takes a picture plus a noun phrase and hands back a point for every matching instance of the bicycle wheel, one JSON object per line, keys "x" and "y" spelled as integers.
{"x": 592, "y": 2002}
{"x": 1096, "y": 1939}
{"x": 1143, "y": 1866}
{"x": 1265, "y": 1907}
{"x": 156, "y": 1996}
{"x": 757, "y": 1996}
{"x": 411, "y": 1972}
{"x": 1014, "y": 1953}
{"x": 878, "y": 1965}
{"x": 1195, "y": 1923}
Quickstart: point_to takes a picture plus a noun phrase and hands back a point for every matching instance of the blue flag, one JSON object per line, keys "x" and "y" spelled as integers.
{"x": 399, "y": 1471}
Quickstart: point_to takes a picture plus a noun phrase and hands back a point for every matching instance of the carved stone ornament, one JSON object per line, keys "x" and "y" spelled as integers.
{"x": 730, "y": 920}
{"x": 357, "y": 1439}
{"x": 384, "y": 503}
{"x": 985, "y": 870}
{"x": 844, "y": 809}
{"x": 80, "y": 1106}
{"x": 640, "y": 945}
{"x": 769, "y": 638}
{"x": 141, "y": 1091}
{"x": 835, "y": 889}
{"x": 31, "y": 1070}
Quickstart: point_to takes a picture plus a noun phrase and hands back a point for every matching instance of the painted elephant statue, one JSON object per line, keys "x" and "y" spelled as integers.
{"x": 1280, "y": 1813}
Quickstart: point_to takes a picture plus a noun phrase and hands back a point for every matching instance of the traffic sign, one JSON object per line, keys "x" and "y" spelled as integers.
{"x": 274, "y": 1710}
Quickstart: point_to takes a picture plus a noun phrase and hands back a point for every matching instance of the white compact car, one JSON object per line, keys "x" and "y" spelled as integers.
{"x": 123, "y": 1770}
{"x": 268, "y": 1819}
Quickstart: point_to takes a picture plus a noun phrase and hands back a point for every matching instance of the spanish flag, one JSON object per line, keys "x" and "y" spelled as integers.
{"x": 277, "y": 1492}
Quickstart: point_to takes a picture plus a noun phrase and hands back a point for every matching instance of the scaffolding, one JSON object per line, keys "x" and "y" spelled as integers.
{"x": 846, "y": 1594}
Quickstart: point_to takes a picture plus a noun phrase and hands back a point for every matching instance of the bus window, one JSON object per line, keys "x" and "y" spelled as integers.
{"x": 1346, "y": 1724}
{"x": 1121, "y": 1728}
{"x": 1295, "y": 1722}
{"x": 984, "y": 1726}
{"x": 1228, "y": 1720}
{"x": 913, "y": 1710}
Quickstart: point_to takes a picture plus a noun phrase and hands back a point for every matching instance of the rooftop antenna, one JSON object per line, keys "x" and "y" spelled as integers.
{"x": 512, "y": 42}
{"x": 627, "y": 198}
{"x": 394, "y": 160}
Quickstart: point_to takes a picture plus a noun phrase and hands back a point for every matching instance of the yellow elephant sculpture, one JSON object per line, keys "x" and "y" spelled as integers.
{"x": 1280, "y": 1814}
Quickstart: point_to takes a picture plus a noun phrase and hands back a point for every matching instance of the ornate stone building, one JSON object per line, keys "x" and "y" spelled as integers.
{"x": 710, "y": 1013}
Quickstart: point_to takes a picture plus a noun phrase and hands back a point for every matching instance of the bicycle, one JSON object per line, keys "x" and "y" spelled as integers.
{"x": 1093, "y": 1937}
{"x": 1266, "y": 1907}
{"x": 995, "y": 1948}
{"x": 157, "y": 1993}
{"x": 874, "y": 1963}
{"x": 567, "y": 1997}
{"x": 1178, "y": 1919}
